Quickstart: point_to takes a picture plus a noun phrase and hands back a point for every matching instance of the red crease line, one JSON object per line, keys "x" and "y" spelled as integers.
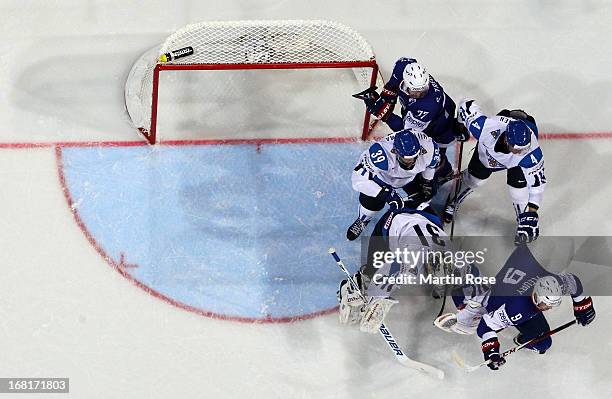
{"x": 258, "y": 142}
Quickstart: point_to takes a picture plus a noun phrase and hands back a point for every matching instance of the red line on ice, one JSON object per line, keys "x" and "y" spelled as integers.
{"x": 257, "y": 142}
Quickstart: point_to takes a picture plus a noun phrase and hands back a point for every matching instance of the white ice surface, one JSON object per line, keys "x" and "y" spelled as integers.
{"x": 64, "y": 312}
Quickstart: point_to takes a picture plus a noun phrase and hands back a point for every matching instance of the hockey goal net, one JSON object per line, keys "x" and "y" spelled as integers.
{"x": 260, "y": 78}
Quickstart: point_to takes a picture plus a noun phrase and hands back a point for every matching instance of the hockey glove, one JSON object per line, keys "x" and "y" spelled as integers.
{"x": 424, "y": 194}
{"x": 384, "y": 105}
{"x": 464, "y": 111}
{"x": 367, "y": 94}
{"x": 379, "y": 106}
{"x": 427, "y": 189}
{"x": 528, "y": 229}
{"x": 584, "y": 311}
{"x": 490, "y": 349}
{"x": 392, "y": 198}
{"x": 460, "y": 132}
{"x": 389, "y": 96}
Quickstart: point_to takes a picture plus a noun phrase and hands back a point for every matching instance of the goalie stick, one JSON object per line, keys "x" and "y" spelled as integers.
{"x": 459, "y": 361}
{"x": 386, "y": 334}
{"x": 452, "y": 234}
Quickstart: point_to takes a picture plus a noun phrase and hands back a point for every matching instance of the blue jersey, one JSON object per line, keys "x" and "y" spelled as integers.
{"x": 510, "y": 303}
{"x": 433, "y": 114}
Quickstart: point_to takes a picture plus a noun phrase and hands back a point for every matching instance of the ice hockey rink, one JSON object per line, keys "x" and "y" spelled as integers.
{"x": 200, "y": 269}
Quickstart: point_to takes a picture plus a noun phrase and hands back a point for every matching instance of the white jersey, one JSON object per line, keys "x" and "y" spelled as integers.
{"x": 488, "y": 130}
{"x": 412, "y": 234}
{"x": 378, "y": 166}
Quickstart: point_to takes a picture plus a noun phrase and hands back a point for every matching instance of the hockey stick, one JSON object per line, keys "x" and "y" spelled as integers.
{"x": 368, "y": 94}
{"x": 457, "y": 188}
{"x": 535, "y": 340}
{"x": 386, "y": 334}
{"x": 452, "y": 234}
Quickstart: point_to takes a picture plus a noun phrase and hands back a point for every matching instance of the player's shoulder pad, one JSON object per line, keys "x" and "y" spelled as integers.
{"x": 437, "y": 89}
{"x": 532, "y": 159}
{"x": 570, "y": 284}
{"x": 378, "y": 156}
{"x": 477, "y": 125}
{"x": 405, "y": 60}
{"x": 435, "y": 157}
{"x": 424, "y": 139}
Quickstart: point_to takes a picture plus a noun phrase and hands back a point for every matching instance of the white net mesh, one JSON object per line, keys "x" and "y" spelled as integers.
{"x": 251, "y": 42}
{"x": 139, "y": 89}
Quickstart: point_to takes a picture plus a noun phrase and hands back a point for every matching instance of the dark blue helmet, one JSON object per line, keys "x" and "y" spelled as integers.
{"x": 406, "y": 144}
{"x": 518, "y": 134}
{"x": 407, "y": 148}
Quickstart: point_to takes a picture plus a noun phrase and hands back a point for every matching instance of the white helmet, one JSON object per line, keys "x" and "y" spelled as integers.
{"x": 548, "y": 291}
{"x": 416, "y": 79}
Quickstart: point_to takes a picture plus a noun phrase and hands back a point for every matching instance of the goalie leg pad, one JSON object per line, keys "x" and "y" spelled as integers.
{"x": 351, "y": 303}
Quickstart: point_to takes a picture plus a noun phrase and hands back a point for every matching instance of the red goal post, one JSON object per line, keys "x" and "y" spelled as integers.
{"x": 248, "y": 45}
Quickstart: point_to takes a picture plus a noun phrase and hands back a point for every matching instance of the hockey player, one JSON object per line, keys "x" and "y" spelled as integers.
{"x": 526, "y": 314}
{"x": 403, "y": 230}
{"x": 508, "y": 141}
{"x": 388, "y": 165}
{"x": 425, "y": 107}
{"x": 506, "y": 305}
